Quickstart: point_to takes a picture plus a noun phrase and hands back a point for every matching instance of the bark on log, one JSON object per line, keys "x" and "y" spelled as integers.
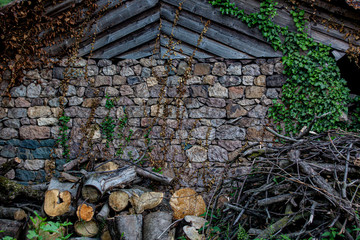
{"x": 130, "y": 225}
{"x": 64, "y": 186}
{"x": 154, "y": 176}
{"x": 12, "y": 213}
{"x": 9, "y": 190}
{"x": 97, "y": 184}
{"x": 104, "y": 213}
{"x": 118, "y": 200}
{"x": 11, "y": 228}
{"x": 86, "y": 229}
{"x": 85, "y": 212}
{"x": 157, "y": 224}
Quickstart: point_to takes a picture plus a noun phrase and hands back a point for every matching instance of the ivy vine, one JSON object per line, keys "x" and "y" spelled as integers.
{"x": 314, "y": 86}
{"x": 63, "y": 138}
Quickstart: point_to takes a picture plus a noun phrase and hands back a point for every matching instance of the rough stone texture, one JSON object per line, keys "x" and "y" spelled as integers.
{"x": 111, "y": 92}
{"x": 248, "y": 80}
{"x": 267, "y": 69}
{"x": 33, "y": 90}
{"x": 208, "y": 112}
{"x": 119, "y": 80}
{"x": 142, "y": 91}
{"x": 218, "y": 91}
{"x": 110, "y": 70}
{"x": 102, "y": 81}
{"x": 260, "y": 81}
{"x": 39, "y": 111}
{"x": 236, "y": 92}
{"x": 228, "y": 81}
{"x": 126, "y": 90}
{"x": 159, "y": 71}
{"x": 258, "y": 112}
{"x": 133, "y": 80}
{"x": 209, "y": 79}
{"x": 9, "y": 133}
{"x": 230, "y": 132}
{"x": 197, "y": 154}
{"x": 17, "y": 113}
{"x": 251, "y": 70}
{"x": 34, "y": 165}
{"x": 8, "y": 151}
{"x": 230, "y": 145}
{"x": 202, "y": 69}
{"x": 254, "y": 92}
{"x": 217, "y": 154}
{"x": 19, "y": 91}
{"x": 235, "y": 111}
{"x": 199, "y": 91}
{"x": 47, "y": 121}
{"x": 34, "y": 132}
{"x": 275, "y": 81}
{"x": 272, "y": 93}
{"x": 219, "y": 69}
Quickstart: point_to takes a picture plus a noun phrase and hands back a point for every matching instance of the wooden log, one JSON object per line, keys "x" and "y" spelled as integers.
{"x": 157, "y": 224}
{"x": 98, "y": 184}
{"x": 85, "y": 212}
{"x": 118, "y": 200}
{"x": 64, "y": 186}
{"x": 104, "y": 213}
{"x": 12, "y": 213}
{"x": 9, "y": 190}
{"x": 57, "y": 203}
{"x": 147, "y": 200}
{"x": 130, "y": 226}
{"x": 86, "y": 229}
{"x": 154, "y": 176}
{"x": 11, "y": 228}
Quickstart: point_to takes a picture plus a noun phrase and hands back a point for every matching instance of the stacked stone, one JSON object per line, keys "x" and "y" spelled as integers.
{"x": 231, "y": 99}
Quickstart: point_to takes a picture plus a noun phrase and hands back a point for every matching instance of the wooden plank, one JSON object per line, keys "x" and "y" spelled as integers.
{"x": 328, "y": 40}
{"x": 206, "y": 44}
{"x": 184, "y": 49}
{"x": 227, "y": 36}
{"x": 131, "y": 41}
{"x": 143, "y": 51}
{"x": 60, "y": 7}
{"x": 337, "y": 55}
{"x": 172, "y": 55}
{"x": 119, "y": 15}
{"x": 120, "y": 33}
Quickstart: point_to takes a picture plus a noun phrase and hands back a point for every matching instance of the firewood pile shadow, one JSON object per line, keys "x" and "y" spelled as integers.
{"x": 303, "y": 188}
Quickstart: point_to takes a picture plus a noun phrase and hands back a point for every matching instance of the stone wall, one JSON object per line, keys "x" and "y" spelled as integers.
{"x": 224, "y": 107}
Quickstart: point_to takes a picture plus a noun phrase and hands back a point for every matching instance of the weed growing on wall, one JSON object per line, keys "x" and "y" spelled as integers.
{"x": 314, "y": 86}
{"x": 63, "y": 138}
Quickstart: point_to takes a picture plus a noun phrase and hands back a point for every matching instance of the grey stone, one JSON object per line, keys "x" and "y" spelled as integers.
{"x": 48, "y": 92}
{"x": 159, "y": 71}
{"x": 33, "y": 90}
{"x": 55, "y": 102}
{"x": 39, "y": 111}
{"x": 228, "y": 81}
{"x": 127, "y": 71}
{"x": 230, "y": 145}
{"x": 133, "y": 80}
{"x": 208, "y": 112}
{"x": 203, "y": 132}
{"x": 3, "y": 112}
{"x": 230, "y": 132}
{"x": 258, "y": 112}
{"x": 119, "y": 80}
{"x": 126, "y": 90}
{"x": 104, "y": 63}
{"x": 25, "y": 175}
{"x": 213, "y": 102}
{"x": 218, "y": 91}
{"x": 199, "y": 91}
{"x": 202, "y": 69}
{"x": 14, "y": 142}
{"x": 136, "y": 111}
{"x": 153, "y": 229}
{"x": 110, "y": 70}
{"x": 125, "y": 101}
{"x": 9, "y": 133}
{"x": 248, "y": 80}
{"x": 17, "y": 113}
{"x": 217, "y": 154}
{"x": 47, "y": 121}
{"x": 8, "y": 151}
{"x": 71, "y": 91}
{"x": 34, "y": 165}
{"x": 267, "y": 69}
{"x": 24, "y": 154}
{"x": 102, "y": 81}
{"x": 272, "y": 93}
{"x": 192, "y": 103}
{"x": 111, "y": 91}
{"x": 31, "y": 144}
{"x": 19, "y": 91}
{"x": 137, "y": 69}
{"x": 42, "y": 153}
{"x": 251, "y": 70}
{"x": 37, "y": 102}
{"x": 182, "y": 68}
{"x": 275, "y": 81}
{"x": 219, "y": 69}
{"x": 217, "y": 122}
{"x": 47, "y": 143}
{"x": 194, "y": 80}
{"x": 74, "y": 101}
{"x": 34, "y": 132}
{"x": 92, "y": 70}
{"x": 58, "y": 73}
{"x": 80, "y": 92}
{"x": 279, "y": 68}
{"x": 234, "y": 69}
{"x": 22, "y": 103}
{"x": 146, "y": 72}
{"x": 146, "y": 62}
{"x": 172, "y": 81}
{"x": 12, "y": 123}
{"x": 142, "y": 91}
{"x": 197, "y": 154}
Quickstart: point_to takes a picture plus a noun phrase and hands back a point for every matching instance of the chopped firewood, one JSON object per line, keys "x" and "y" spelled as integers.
{"x": 130, "y": 226}
{"x": 64, "y": 186}
{"x": 97, "y": 184}
{"x": 57, "y": 203}
{"x": 187, "y": 202}
{"x": 146, "y": 173}
{"x": 109, "y": 166}
{"x": 12, "y": 213}
{"x": 85, "y": 212}
{"x": 118, "y": 200}
{"x": 156, "y": 225}
{"x": 10, "y": 228}
{"x": 193, "y": 234}
{"x": 69, "y": 177}
{"x": 106, "y": 235}
{"x": 86, "y": 229}
{"x": 104, "y": 213}
{"x": 146, "y": 201}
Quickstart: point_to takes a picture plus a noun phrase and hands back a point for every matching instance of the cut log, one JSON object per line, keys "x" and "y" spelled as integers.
{"x": 11, "y": 228}
{"x": 146, "y": 201}
{"x": 156, "y": 226}
{"x": 97, "y": 184}
{"x": 110, "y": 166}
{"x": 187, "y": 202}
{"x": 9, "y": 190}
{"x": 85, "y": 212}
{"x": 69, "y": 177}
{"x": 154, "y": 176}
{"x": 12, "y": 213}
{"x": 86, "y": 229}
{"x": 130, "y": 226}
{"x": 104, "y": 213}
{"x": 64, "y": 186}
{"x": 118, "y": 200}
{"x": 106, "y": 235}
{"x": 57, "y": 203}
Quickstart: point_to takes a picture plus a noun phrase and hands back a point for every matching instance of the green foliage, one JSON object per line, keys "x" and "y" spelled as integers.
{"x": 242, "y": 234}
{"x": 108, "y": 124}
{"x": 7, "y": 237}
{"x": 314, "y": 86}
{"x": 63, "y": 136}
{"x": 4, "y": 2}
{"x": 157, "y": 170}
{"x": 109, "y": 104}
{"x": 332, "y": 234}
{"x": 41, "y": 225}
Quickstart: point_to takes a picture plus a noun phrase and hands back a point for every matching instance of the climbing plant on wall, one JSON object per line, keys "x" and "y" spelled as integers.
{"x": 314, "y": 87}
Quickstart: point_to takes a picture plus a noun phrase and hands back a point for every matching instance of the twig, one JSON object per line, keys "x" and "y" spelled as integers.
{"x": 282, "y": 136}
{"x": 346, "y": 173}
{"x": 169, "y": 227}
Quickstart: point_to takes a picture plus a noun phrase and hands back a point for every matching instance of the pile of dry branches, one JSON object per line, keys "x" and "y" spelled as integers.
{"x": 303, "y": 188}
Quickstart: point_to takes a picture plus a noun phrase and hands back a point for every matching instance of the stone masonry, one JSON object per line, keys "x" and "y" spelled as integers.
{"x": 223, "y": 107}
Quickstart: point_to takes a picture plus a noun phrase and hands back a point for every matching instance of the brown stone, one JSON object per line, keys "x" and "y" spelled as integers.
{"x": 3, "y": 112}
{"x": 209, "y": 79}
{"x": 39, "y": 111}
{"x": 201, "y": 69}
{"x": 254, "y": 92}
{"x": 236, "y": 92}
{"x": 260, "y": 81}
{"x": 258, "y": 134}
{"x": 102, "y": 81}
{"x": 22, "y": 102}
{"x": 230, "y": 145}
{"x": 199, "y": 91}
{"x": 126, "y": 90}
{"x": 119, "y": 80}
{"x": 34, "y": 132}
{"x": 88, "y": 102}
{"x": 235, "y": 111}
{"x": 159, "y": 71}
